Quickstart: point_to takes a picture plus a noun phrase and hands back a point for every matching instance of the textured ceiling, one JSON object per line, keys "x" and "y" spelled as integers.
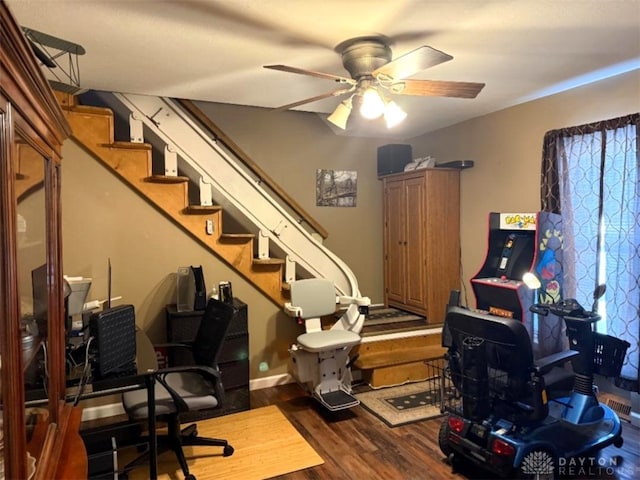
{"x": 215, "y": 50}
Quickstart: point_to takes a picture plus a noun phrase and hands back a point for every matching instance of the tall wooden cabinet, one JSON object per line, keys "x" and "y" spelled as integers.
{"x": 32, "y": 129}
{"x": 421, "y": 240}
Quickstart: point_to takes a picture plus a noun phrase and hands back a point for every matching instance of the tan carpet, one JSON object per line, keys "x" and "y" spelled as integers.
{"x": 266, "y": 444}
{"x": 390, "y": 320}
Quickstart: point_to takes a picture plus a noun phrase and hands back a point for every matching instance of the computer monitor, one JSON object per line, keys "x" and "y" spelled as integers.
{"x": 40, "y": 293}
{"x": 76, "y": 290}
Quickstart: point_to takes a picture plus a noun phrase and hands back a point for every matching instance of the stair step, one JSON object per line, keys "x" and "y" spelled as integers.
{"x": 268, "y": 261}
{"x": 231, "y": 237}
{"x": 91, "y": 110}
{"x": 92, "y": 130}
{"x": 202, "y": 209}
{"x": 381, "y": 321}
{"x": 397, "y": 360}
{"x": 166, "y": 179}
{"x": 398, "y": 326}
{"x": 128, "y": 145}
{"x": 399, "y": 357}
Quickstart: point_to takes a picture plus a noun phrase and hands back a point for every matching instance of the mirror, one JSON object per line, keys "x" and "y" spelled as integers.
{"x": 29, "y": 168}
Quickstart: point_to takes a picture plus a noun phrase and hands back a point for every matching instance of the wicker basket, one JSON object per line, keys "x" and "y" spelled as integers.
{"x": 608, "y": 355}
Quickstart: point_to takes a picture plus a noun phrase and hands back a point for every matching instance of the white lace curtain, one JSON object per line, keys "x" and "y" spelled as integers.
{"x": 591, "y": 176}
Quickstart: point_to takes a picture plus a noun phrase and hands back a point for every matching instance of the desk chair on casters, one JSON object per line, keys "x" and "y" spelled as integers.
{"x": 187, "y": 388}
{"x": 321, "y": 357}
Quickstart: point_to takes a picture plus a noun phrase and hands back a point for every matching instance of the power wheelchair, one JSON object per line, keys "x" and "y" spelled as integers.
{"x": 504, "y": 421}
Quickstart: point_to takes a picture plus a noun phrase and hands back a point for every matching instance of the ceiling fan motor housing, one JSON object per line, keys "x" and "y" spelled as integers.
{"x": 368, "y": 61}
{"x": 363, "y": 56}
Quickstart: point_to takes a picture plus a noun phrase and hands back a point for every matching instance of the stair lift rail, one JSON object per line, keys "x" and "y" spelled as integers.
{"x": 215, "y": 165}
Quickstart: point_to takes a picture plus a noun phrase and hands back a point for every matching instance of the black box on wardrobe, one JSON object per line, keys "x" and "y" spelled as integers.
{"x": 393, "y": 158}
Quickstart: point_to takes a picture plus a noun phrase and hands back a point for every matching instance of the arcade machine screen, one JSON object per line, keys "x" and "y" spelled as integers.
{"x": 499, "y": 288}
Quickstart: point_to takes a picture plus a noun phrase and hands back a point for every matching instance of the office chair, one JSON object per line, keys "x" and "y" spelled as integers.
{"x": 321, "y": 357}
{"x": 186, "y": 388}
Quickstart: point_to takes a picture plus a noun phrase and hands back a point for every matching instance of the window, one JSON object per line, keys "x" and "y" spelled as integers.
{"x": 591, "y": 176}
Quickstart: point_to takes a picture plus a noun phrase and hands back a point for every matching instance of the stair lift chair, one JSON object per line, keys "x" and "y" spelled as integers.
{"x": 320, "y": 357}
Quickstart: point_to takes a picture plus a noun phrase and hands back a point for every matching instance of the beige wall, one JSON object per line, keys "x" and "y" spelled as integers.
{"x": 103, "y": 218}
{"x": 506, "y": 147}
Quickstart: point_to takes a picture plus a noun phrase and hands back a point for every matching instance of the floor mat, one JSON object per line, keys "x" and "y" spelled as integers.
{"x": 266, "y": 445}
{"x": 405, "y": 403}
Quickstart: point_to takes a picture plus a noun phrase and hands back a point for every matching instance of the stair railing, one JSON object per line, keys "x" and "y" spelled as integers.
{"x": 233, "y": 186}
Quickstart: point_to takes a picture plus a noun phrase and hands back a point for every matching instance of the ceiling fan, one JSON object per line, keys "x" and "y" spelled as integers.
{"x": 368, "y": 60}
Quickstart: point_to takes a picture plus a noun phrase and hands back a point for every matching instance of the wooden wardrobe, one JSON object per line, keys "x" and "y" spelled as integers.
{"x": 421, "y": 229}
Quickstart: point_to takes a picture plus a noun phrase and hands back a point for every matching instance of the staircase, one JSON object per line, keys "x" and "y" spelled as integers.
{"x": 264, "y": 242}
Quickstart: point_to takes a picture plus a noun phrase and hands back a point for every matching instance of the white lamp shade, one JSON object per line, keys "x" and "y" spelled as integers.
{"x": 372, "y": 104}
{"x": 393, "y": 114}
{"x": 340, "y": 115}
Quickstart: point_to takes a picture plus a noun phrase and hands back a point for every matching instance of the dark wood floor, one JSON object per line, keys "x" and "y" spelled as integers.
{"x": 357, "y": 445}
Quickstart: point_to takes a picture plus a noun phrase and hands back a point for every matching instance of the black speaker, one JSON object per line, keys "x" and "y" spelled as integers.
{"x": 200, "y": 299}
{"x": 114, "y": 333}
{"x": 393, "y": 158}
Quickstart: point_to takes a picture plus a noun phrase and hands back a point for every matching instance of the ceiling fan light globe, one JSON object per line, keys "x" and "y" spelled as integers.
{"x": 372, "y": 105}
{"x": 340, "y": 115}
{"x": 393, "y": 114}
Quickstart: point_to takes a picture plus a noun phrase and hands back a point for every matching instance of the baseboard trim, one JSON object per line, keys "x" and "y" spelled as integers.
{"x": 115, "y": 409}
{"x": 272, "y": 381}
{"x": 102, "y": 411}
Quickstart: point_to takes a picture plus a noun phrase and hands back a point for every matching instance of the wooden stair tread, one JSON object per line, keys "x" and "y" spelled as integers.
{"x": 232, "y": 236}
{"x": 202, "y": 209}
{"x": 90, "y": 110}
{"x": 393, "y": 327}
{"x": 398, "y": 357}
{"x": 166, "y": 179}
{"x": 268, "y": 261}
{"x": 128, "y": 145}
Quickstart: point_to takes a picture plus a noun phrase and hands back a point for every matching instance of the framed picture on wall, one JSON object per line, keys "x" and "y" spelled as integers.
{"x": 336, "y": 188}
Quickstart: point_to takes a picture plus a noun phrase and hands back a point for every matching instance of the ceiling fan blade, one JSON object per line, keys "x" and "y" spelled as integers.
{"x": 411, "y": 63}
{"x": 312, "y": 73}
{"x": 335, "y": 93}
{"x": 437, "y": 88}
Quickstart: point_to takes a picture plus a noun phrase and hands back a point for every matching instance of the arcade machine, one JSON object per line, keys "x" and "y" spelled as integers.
{"x": 520, "y": 243}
